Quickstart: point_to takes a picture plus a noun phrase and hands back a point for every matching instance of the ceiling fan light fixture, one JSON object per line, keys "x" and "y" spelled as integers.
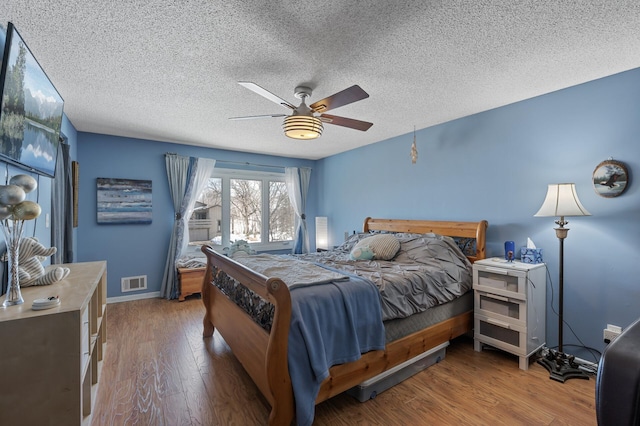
{"x": 302, "y": 127}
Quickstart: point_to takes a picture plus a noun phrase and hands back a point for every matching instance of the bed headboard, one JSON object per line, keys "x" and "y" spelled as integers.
{"x": 471, "y": 235}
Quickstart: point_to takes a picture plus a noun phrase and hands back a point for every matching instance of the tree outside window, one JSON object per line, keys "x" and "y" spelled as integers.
{"x": 251, "y": 206}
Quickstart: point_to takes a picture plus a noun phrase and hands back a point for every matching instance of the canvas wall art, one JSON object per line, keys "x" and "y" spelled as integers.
{"x": 124, "y": 201}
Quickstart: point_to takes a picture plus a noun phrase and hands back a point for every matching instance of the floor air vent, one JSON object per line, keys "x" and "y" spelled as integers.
{"x": 134, "y": 283}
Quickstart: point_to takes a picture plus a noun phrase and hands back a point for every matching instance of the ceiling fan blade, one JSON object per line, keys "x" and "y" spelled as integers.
{"x": 346, "y": 122}
{"x": 251, "y": 117}
{"x": 265, "y": 93}
{"x": 345, "y": 97}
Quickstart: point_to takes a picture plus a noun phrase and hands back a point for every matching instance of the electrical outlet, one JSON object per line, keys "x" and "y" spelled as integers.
{"x": 611, "y": 332}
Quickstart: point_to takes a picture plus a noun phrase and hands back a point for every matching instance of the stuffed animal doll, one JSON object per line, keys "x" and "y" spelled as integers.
{"x": 30, "y": 270}
{"x": 238, "y": 246}
{"x": 362, "y": 253}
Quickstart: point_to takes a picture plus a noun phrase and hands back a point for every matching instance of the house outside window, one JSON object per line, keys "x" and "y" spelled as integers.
{"x": 243, "y": 205}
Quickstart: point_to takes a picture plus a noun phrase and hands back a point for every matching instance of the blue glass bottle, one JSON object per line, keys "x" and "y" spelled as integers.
{"x": 509, "y": 250}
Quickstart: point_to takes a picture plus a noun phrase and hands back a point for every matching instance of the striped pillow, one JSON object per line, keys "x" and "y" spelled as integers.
{"x": 384, "y": 246}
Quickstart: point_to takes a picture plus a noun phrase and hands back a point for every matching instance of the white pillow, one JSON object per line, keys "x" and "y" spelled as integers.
{"x": 384, "y": 246}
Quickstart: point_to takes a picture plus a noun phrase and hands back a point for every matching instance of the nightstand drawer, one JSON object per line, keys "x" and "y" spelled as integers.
{"x": 508, "y": 308}
{"x": 506, "y": 282}
{"x": 501, "y": 334}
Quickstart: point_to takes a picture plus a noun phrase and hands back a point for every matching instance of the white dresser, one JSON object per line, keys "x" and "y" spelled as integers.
{"x": 509, "y": 306}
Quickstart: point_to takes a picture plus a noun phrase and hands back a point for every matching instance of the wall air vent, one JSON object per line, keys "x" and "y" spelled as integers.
{"x": 133, "y": 283}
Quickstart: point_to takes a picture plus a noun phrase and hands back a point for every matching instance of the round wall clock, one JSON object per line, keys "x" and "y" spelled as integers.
{"x": 610, "y": 178}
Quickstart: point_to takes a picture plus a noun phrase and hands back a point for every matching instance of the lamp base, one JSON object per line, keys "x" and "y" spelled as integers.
{"x": 561, "y": 367}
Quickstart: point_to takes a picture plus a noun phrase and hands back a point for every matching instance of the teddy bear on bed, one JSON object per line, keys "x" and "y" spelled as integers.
{"x": 239, "y": 246}
{"x": 30, "y": 270}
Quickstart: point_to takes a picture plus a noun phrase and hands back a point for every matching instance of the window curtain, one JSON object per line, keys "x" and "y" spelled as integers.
{"x": 297, "y": 181}
{"x": 187, "y": 178}
{"x": 62, "y": 208}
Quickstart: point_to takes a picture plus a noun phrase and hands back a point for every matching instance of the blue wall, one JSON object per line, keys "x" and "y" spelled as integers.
{"x": 496, "y": 166}
{"x": 133, "y": 250}
{"x": 71, "y": 135}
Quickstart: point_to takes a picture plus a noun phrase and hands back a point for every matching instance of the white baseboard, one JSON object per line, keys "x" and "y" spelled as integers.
{"x": 128, "y": 298}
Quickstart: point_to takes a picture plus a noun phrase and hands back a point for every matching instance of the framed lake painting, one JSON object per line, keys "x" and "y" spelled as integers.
{"x": 124, "y": 201}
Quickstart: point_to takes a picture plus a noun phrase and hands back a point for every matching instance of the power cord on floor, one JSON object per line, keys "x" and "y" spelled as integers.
{"x": 587, "y": 366}
{"x": 581, "y": 345}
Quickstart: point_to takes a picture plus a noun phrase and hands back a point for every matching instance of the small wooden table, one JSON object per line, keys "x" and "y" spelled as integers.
{"x": 190, "y": 281}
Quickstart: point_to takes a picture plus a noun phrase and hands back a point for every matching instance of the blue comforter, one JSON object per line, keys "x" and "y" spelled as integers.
{"x": 331, "y": 324}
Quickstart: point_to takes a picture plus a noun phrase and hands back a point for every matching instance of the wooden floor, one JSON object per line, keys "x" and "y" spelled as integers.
{"x": 158, "y": 370}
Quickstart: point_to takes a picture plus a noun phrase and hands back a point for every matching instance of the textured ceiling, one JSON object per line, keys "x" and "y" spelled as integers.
{"x": 168, "y": 70}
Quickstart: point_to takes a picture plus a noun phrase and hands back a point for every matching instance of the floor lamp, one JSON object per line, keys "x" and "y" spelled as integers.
{"x": 561, "y": 200}
{"x": 322, "y": 238}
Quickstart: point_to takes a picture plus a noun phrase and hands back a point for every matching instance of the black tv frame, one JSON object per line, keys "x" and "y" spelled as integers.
{"x": 11, "y": 151}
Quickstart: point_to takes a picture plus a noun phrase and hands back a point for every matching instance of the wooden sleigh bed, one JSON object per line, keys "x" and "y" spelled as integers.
{"x": 264, "y": 354}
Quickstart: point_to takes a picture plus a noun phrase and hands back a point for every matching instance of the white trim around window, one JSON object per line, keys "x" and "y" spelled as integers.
{"x": 265, "y": 177}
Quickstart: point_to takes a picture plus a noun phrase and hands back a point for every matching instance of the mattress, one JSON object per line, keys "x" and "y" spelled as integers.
{"x": 262, "y": 311}
{"x": 398, "y": 328}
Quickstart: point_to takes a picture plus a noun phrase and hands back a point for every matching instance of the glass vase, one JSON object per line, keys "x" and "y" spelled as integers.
{"x": 12, "y": 230}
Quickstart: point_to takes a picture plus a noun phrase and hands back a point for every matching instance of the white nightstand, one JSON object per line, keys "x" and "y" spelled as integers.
{"x": 509, "y": 306}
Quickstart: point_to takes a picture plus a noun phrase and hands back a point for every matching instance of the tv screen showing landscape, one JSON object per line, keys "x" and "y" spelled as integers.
{"x": 31, "y": 110}
{"x": 3, "y": 36}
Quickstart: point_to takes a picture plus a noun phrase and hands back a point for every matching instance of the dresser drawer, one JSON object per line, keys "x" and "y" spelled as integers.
{"x": 505, "y": 282}
{"x": 502, "y": 307}
{"x": 501, "y": 334}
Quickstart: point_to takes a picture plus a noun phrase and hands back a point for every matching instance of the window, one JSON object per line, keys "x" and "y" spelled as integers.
{"x": 242, "y": 205}
{"x": 281, "y": 215}
{"x": 207, "y": 214}
{"x": 246, "y": 210}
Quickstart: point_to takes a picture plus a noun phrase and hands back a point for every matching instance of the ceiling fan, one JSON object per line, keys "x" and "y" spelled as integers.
{"x": 306, "y": 121}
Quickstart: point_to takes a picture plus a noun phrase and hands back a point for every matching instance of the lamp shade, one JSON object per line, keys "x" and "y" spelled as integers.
{"x": 322, "y": 240}
{"x": 562, "y": 200}
{"x": 302, "y": 127}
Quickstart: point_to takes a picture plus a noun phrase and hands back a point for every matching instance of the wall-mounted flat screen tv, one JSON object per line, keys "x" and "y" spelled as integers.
{"x": 3, "y": 36}
{"x": 31, "y": 109}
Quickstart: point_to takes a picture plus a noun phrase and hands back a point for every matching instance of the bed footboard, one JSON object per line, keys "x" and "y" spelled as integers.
{"x": 262, "y": 354}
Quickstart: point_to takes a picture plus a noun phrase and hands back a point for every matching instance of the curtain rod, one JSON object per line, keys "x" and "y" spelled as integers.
{"x": 241, "y": 163}
{"x": 246, "y": 163}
